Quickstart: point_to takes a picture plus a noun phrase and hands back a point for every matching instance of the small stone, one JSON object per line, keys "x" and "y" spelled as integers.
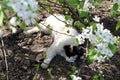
{"x": 30, "y": 41}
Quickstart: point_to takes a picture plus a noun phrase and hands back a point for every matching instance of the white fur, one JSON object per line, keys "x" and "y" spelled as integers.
{"x": 57, "y": 25}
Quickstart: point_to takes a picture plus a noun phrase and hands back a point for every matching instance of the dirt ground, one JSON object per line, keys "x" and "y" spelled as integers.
{"x": 22, "y": 51}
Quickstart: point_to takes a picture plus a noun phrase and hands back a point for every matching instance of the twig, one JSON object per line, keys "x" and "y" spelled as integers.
{"x": 75, "y": 15}
{"x": 5, "y": 57}
{"x": 55, "y": 3}
{"x": 72, "y": 11}
{"x": 58, "y": 31}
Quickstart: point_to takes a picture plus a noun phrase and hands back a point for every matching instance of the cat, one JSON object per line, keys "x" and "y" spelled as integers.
{"x": 63, "y": 38}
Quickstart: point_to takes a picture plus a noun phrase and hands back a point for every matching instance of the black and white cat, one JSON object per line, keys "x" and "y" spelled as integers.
{"x": 63, "y": 38}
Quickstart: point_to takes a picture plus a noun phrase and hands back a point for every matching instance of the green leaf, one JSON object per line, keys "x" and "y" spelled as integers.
{"x": 73, "y": 3}
{"x": 3, "y": 2}
{"x": 115, "y": 6}
{"x": 112, "y": 47}
{"x": 23, "y": 25}
{"x": 49, "y": 70}
{"x": 102, "y": 78}
{"x": 113, "y": 14}
{"x": 37, "y": 67}
{"x": 118, "y": 25}
{"x": 34, "y": 78}
{"x": 72, "y": 76}
{"x": 95, "y": 77}
{"x": 1, "y": 17}
{"x": 83, "y": 14}
{"x": 67, "y": 17}
{"x": 91, "y": 55}
{"x": 68, "y": 31}
{"x": 73, "y": 69}
{"x": 5, "y": 6}
{"x": 92, "y": 52}
{"x": 94, "y": 27}
{"x": 79, "y": 24}
{"x": 49, "y": 29}
{"x": 91, "y": 59}
{"x": 76, "y": 41}
{"x": 50, "y": 10}
{"x": 37, "y": 24}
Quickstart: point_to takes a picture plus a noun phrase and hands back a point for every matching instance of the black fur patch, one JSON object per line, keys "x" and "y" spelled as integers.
{"x": 74, "y": 50}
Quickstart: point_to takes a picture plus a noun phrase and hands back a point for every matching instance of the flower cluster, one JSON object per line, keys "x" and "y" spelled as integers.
{"x": 26, "y": 9}
{"x": 101, "y": 38}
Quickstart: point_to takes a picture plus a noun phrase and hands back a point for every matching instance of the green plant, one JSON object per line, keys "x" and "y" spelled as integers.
{"x": 37, "y": 67}
{"x": 99, "y": 76}
{"x": 73, "y": 69}
{"x": 49, "y": 70}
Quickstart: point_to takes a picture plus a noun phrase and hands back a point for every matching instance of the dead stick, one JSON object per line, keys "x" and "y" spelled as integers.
{"x": 5, "y": 56}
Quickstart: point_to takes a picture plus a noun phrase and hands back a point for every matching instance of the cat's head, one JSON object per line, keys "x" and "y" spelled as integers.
{"x": 74, "y": 50}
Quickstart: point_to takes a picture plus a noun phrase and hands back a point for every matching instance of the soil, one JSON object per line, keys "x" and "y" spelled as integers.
{"x": 22, "y": 51}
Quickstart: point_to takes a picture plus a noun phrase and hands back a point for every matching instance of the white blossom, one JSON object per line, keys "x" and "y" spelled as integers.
{"x": 96, "y": 18}
{"x": 86, "y": 31}
{"x": 13, "y": 21}
{"x": 100, "y": 38}
{"x": 33, "y": 4}
{"x": 12, "y": 3}
{"x": 26, "y": 9}
{"x": 81, "y": 39}
{"x": 30, "y": 17}
{"x": 104, "y": 34}
{"x": 102, "y": 48}
{"x": 87, "y": 5}
{"x": 14, "y": 30}
{"x": 74, "y": 77}
{"x": 99, "y": 58}
{"x": 21, "y": 9}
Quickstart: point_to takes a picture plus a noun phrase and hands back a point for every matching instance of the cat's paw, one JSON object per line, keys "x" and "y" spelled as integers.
{"x": 44, "y": 65}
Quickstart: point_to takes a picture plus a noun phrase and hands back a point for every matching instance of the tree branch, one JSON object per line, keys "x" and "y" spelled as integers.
{"x": 5, "y": 57}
